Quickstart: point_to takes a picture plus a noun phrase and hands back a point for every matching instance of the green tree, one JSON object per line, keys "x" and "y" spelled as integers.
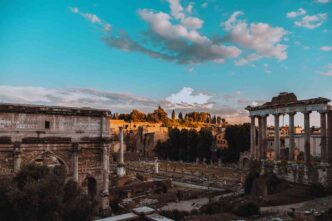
{"x": 238, "y": 138}
{"x": 137, "y": 116}
{"x": 40, "y": 193}
{"x": 204, "y": 146}
{"x": 173, "y": 115}
{"x": 180, "y": 117}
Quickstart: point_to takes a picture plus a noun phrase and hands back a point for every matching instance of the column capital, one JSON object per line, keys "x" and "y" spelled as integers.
{"x": 277, "y": 114}
{"x": 75, "y": 147}
{"x": 306, "y": 112}
{"x": 262, "y": 116}
{"x": 322, "y": 111}
{"x": 17, "y": 148}
{"x": 291, "y": 113}
{"x": 104, "y": 146}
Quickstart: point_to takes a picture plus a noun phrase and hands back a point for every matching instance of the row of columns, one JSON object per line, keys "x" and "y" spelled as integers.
{"x": 259, "y": 151}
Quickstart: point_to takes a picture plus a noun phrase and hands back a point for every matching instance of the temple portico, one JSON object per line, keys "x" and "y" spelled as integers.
{"x": 288, "y": 104}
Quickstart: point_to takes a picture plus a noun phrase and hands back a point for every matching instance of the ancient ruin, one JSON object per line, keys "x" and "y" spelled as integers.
{"x": 287, "y": 103}
{"x": 76, "y": 138}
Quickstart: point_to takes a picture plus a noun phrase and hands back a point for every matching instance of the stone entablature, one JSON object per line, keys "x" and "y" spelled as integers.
{"x": 27, "y": 121}
{"x": 286, "y": 101}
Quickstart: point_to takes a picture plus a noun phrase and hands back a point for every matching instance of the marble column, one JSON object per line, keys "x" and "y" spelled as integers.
{"x": 291, "y": 133}
{"x": 259, "y": 145}
{"x": 264, "y": 138}
{"x": 17, "y": 157}
{"x": 253, "y": 138}
{"x": 329, "y": 135}
{"x": 306, "y": 137}
{"x": 156, "y": 165}
{"x": 323, "y": 134}
{"x": 75, "y": 161}
{"x": 276, "y": 137}
{"x": 121, "y": 145}
{"x": 121, "y": 171}
{"x": 105, "y": 191}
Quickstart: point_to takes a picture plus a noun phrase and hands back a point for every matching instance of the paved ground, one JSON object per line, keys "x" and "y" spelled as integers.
{"x": 187, "y": 205}
{"x": 318, "y": 204}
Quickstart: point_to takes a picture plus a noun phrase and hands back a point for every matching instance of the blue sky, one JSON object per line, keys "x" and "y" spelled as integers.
{"x": 212, "y": 55}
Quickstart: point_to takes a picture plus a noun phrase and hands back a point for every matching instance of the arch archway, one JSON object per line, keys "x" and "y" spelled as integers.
{"x": 245, "y": 163}
{"x": 51, "y": 160}
{"x": 90, "y": 186}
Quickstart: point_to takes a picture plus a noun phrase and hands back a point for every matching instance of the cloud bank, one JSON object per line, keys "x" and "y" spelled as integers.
{"x": 177, "y": 36}
{"x": 185, "y": 100}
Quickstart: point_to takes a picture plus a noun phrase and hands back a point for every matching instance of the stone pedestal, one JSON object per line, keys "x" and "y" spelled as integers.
{"x": 121, "y": 170}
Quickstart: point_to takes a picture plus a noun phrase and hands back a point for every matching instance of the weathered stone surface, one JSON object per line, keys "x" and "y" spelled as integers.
{"x": 57, "y": 136}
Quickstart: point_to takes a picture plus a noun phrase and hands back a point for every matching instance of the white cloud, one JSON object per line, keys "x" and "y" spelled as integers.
{"x": 186, "y": 98}
{"x": 74, "y": 97}
{"x": 189, "y": 8}
{"x": 246, "y": 60}
{"x": 297, "y": 13}
{"x": 205, "y": 5}
{"x": 73, "y": 9}
{"x": 328, "y": 71}
{"x": 307, "y": 21}
{"x": 192, "y": 22}
{"x": 91, "y": 17}
{"x": 94, "y": 19}
{"x": 180, "y": 34}
{"x": 260, "y": 37}
{"x": 326, "y": 48}
{"x": 322, "y": 1}
{"x": 161, "y": 24}
{"x": 176, "y": 9}
{"x": 311, "y": 21}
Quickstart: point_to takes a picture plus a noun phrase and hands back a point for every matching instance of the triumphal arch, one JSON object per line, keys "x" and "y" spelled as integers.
{"x": 76, "y": 138}
{"x": 308, "y": 170}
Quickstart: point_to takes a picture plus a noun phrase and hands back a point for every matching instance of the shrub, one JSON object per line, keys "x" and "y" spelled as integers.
{"x": 40, "y": 193}
{"x": 247, "y": 209}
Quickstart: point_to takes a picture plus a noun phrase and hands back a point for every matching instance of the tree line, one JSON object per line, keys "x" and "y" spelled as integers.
{"x": 187, "y": 145}
{"x": 160, "y": 116}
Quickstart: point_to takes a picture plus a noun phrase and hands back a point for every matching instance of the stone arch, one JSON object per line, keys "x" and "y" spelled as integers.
{"x": 50, "y": 159}
{"x": 89, "y": 186}
{"x": 245, "y": 162}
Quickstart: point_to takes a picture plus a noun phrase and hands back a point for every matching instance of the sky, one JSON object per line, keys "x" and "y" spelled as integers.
{"x": 208, "y": 55}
